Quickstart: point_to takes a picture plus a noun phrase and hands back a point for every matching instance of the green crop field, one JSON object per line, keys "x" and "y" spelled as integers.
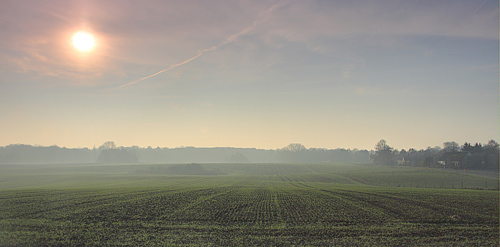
{"x": 246, "y": 204}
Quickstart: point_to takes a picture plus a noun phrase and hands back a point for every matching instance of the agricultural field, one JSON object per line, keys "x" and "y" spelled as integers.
{"x": 245, "y": 204}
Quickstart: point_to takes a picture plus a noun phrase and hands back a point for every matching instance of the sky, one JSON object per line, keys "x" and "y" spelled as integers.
{"x": 251, "y": 74}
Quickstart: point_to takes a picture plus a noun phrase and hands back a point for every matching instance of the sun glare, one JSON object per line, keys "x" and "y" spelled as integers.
{"x": 83, "y": 41}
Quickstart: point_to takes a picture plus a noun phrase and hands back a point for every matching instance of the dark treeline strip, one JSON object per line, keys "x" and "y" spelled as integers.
{"x": 451, "y": 156}
{"x": 110, "y": 153}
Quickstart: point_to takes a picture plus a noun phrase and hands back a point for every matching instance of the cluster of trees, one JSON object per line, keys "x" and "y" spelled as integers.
{"x": 110, "y": 153}
{"x": 27, "y": 154}
{"x": 451, "y": 156}
{"x": 468, "y": 156}
{"x": 296, "y": 152}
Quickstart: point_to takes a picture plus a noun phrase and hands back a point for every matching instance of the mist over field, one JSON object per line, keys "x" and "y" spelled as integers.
{"x": 252, "y": 204}
{"x": 468, "y": 156}
{"x": 239, "y": 196}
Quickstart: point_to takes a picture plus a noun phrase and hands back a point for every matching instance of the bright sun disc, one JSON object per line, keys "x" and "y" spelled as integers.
{"x": 83, "y": 41}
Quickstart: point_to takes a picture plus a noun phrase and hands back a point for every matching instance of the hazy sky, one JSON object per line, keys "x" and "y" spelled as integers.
{"x": 329, "y": 74}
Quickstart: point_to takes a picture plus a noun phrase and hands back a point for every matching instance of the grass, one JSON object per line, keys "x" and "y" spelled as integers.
{"x": 251, "y": 204}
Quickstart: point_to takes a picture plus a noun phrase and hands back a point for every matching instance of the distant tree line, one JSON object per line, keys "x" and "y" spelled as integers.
{"x": 452, "y": 156}
{"x": 27, "y": 154}
{"x": 296, "y": 152}
{"x": 110, "y": 153}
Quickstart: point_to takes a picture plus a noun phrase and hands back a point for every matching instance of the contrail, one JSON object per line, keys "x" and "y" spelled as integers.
{"x": 254, "y": 24}
{"x": 229, "y": 40}
{"x": 169, "y": 68}
{"x": 480, "y": 6}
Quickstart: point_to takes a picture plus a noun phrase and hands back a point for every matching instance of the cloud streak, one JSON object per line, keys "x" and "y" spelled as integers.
{"x": 169, "y": 68}
{"x": 227, "y": 41}
{"x": 480, "y": 6}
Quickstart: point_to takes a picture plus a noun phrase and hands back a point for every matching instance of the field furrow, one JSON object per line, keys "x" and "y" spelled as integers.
{"x": 252, "y": 204}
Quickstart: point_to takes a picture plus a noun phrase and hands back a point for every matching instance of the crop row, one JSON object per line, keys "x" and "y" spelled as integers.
{"x": 267, "y": 206}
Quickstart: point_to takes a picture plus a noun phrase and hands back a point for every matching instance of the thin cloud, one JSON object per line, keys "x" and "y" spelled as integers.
{"x": 169, "y": 68}
{"x": 480, "y": 6}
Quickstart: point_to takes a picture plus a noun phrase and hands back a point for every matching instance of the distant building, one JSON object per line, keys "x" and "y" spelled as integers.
{"x": 453, "y": 160}
{"x": 403, "y": 162}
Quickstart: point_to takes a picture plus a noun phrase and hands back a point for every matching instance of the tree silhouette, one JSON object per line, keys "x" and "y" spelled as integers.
{"x": 111, "y": 154}
{"x": 294, "y": 147}
{"x": 383, "y": 154}
{"x": 108, "y": 145}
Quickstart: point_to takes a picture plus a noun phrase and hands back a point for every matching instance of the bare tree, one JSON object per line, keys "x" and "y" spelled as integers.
{"x": 383, "y": 154}
{"x": 451, "y": 147}
{"x": 108, "y": 145}
{"x": 294, "y": 147}
{"x": 294, "y": 152}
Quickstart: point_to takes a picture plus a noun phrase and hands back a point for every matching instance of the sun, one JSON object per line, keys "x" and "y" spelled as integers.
{"x": 83, "y": 41}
